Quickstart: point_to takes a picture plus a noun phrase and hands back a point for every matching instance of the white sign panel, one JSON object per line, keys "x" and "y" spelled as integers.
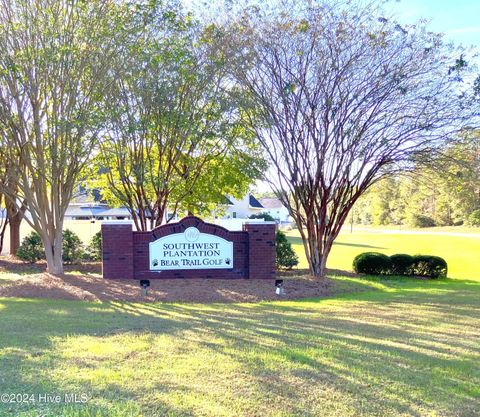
{"x": 191, "y": 250}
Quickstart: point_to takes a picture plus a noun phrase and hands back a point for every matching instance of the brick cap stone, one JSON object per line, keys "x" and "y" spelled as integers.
{"x": 191, "y": 220}
{"x": 264, "y": 222}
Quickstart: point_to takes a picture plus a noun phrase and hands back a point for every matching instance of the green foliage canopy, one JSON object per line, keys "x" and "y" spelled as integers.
{"x": 175, "y": 140}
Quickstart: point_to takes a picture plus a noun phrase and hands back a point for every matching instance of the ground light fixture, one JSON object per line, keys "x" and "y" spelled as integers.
{"x": 145, "y": 284}
{"x": 279, "y": 289}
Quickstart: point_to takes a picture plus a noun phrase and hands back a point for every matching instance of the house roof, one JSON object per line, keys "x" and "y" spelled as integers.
{"x": 271, "y": 203}
{"x": 253, "y": 202}
{"x": 227, "y": 201}
{"x": 76, "y": 211}
{"x": 93, "y": 210}
{"x": 119, "y": 211}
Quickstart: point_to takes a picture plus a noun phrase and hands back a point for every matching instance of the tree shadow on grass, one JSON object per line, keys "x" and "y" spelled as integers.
{"x": 355, "y": 353}
{"x": 381, "y": 353}
{"x": 31, "y": 331}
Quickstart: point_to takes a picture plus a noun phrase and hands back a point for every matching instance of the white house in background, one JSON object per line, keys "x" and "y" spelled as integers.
{"x": 243, "y": 208}
{"x": 84, "y": 207}
{"x": 276, "y": 209}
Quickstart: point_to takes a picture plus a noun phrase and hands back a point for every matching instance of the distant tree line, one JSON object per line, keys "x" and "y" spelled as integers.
{"x": 443, "y": 192}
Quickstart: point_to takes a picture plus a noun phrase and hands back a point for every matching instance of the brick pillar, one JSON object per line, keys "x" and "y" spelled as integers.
{"x": 117, "y": 250}
{"x": 261, "y": 249}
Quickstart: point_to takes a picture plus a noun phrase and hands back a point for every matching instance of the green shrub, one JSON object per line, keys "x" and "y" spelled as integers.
{"x": 474, "y": 218}
{"x": 72, "y": 247}
{"x": 265, "y": 216}
{"x": 372, "y": 263}
{"x": 429, "y": 266}
{"x": 419, "y": 220}
{"x": 401, "y": 264}
{"x": 94, "y": 249}
{"x": 31, "y": 250}
{"x": 286, "y": 256}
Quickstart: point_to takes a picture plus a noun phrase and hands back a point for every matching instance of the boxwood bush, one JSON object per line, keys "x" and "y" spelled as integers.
{"x": 94, "y": 249}
{"x": 31, "y": 250}
{"x": 374, "y": 263}
{"x": 401, "y": 264}
{"x": 286, "y": 256}
{"x": 72, "y": 247}
{"x": 429, "y": 266}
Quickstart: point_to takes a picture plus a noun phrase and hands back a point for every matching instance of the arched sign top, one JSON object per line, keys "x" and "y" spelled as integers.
{"x": 191, "y": 221}
{"x": 191, "y": 249}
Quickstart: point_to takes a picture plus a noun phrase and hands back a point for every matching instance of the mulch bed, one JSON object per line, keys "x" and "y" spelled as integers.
{"x": 84, "y": 282}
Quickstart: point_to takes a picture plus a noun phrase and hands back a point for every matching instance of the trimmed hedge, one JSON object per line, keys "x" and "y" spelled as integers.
{"x": 429, "y": 266}
{"x": 72, "y": 247}
{"x": 402, "y": 264}
{"x": 94, "y": 249}
{"x": 375, "y": 263}
{"x": 31, "y": 250}
{"x": 286, "y": 256}
{"x": 263, "y": 215}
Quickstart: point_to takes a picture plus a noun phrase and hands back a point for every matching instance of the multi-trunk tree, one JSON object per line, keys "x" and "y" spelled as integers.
{"x": 347, "y": 97}
{"x": 174, "y": 138}
{"x": 54, "y": 58}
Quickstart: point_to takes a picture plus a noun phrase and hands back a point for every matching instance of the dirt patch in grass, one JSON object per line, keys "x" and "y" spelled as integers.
{"x": 84, "y": 282}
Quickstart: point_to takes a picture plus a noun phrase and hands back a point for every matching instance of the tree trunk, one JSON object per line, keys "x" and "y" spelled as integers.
{"x": 323, "y": 264}
{"x": 2, "y": 234}
{"x": 318, "y": 252}
{"x": 327, "y": 247}
{"x": 316, "y": 267}
{"x": 312, "y": 249}
{"x": 53, "y": 253}
{"x": 15, "y": 217}
{"x": 14, "y": 223}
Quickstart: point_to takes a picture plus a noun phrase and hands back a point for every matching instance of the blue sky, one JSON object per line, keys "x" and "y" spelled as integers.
{"x": 458, "y": 19}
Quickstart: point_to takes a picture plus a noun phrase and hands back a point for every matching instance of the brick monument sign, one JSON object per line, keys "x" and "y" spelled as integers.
{"x": 190, "y": 248}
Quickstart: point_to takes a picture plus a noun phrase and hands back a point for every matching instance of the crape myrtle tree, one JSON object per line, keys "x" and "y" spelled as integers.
{"x": 346, "y": 97}
{"x": 54, "y": 58}
{"x": 175, "y": 136}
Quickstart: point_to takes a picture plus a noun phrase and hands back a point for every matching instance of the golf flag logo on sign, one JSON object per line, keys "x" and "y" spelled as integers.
{"x": 190, "y": 250}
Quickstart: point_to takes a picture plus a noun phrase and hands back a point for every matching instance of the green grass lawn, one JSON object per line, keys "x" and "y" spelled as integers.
{"x": 401, "y": 347}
